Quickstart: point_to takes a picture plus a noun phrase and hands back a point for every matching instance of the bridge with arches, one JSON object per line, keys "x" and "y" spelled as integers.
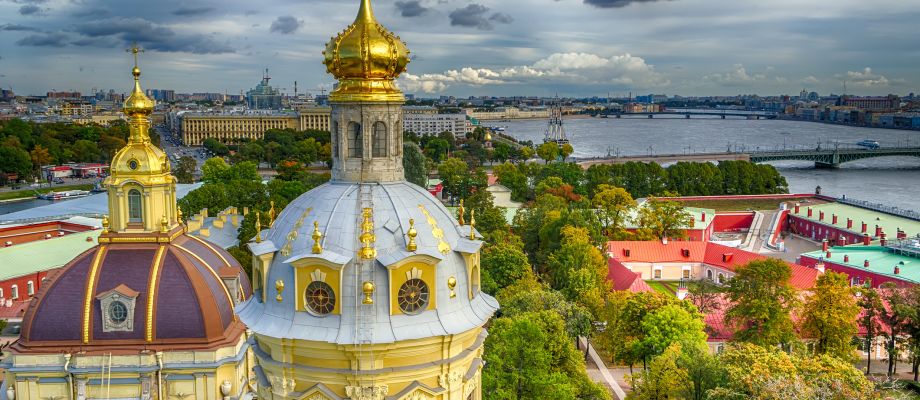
{"x": 823, "y": 158}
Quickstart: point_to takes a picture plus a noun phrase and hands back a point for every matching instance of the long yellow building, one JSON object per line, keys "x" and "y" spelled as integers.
{"x": 231, "y": 127}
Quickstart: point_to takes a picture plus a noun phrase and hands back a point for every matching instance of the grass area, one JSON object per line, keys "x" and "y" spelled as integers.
{"x": 30, "y": 193}
{"x": 663, "y": 287}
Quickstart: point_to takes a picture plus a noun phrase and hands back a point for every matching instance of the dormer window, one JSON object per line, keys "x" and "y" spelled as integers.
{"x": 117, "y": 307}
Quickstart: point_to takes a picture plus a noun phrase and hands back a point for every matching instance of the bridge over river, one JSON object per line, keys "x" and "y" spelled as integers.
{"x": 681, "y": 113}
{"x": 823, "y": 158}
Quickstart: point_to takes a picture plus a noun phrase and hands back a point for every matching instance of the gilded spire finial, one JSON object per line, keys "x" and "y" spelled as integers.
{"x": 412, "y": 233}
{"x": 460, "y": 212}
{"x": 164, "y": 224}
{"x": 472, "y": 224}
{"x": 138, "y": 106}
{"x": 368, "y": 252}
{"x": 365, "y": 12}
{"x": 258, "y": 227}
{"x": 317, "y": 236}
{"x": 105, "y": 224}
{"x": 271, "y": 213}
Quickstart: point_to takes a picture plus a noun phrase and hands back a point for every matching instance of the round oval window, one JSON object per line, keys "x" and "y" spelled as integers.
{"x": 132, "y": 164}
{"x": 413, "y": 296}
{"x": 320, "y": 297}
{"x": 118, "y": 312}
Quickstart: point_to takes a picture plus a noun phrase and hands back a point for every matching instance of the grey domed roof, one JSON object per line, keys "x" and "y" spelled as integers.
{"x": 337, "y": 208}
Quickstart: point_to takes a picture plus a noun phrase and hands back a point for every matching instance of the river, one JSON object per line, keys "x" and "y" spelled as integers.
{"x": 891, "y": 180}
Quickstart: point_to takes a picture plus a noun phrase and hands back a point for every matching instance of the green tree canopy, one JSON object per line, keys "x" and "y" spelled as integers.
{"x": 830, "y": 316}
{"x": 761, "y": 300}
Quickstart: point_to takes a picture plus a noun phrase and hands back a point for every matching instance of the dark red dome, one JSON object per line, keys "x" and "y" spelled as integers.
{"x": 195, "y": 287}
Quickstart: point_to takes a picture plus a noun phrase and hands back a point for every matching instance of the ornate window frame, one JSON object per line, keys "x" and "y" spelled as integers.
{"x": 124, "y": 295}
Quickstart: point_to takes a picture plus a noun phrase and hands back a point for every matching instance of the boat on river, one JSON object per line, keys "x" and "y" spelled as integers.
{"x": 67, "y": 194}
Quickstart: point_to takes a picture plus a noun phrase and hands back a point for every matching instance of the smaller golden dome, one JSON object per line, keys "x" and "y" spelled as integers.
{"x": 488, "y": 136}
{"x": 138, "y": 104}
{"x": 366, "y": 58}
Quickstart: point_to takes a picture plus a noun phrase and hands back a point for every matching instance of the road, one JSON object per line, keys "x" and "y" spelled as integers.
{"x": 173, "y": 146}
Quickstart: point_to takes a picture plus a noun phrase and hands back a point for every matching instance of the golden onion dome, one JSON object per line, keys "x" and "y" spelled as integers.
{"x": 366, "y": 58}
{"x": 138, "y": 104}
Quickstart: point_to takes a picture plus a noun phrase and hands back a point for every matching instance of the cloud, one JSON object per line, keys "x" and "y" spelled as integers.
{"x": 192, "y": 11}
{"x": 53, "y": 39}
{"x": 92, "y": 12}
{"x": 736, "y": 77}
{"x": 476, "y": 16}
{"x": 810, "y": 80}
{"x": 411, "y": 8}
{"x": 17, "y": 28}
{"x": 571, "y": 68}
{"x": 148, "y": 34}
{"x": 866, "y": 78}
{"x": 615, "y": 3}
{"x": 31, "y": 9}
{"x": 286, "y": 25}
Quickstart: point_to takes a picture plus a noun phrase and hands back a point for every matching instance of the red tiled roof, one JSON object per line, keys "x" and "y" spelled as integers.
{"x": 624, "y": 279}
{"x": 15, "y": 310}
{"x": 656, "y": 251}
{"x": 717, "y": 255}
{"x": 493, "y": 179}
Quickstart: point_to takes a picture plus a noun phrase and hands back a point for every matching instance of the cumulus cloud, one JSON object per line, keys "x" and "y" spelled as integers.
{"x": 17, "y": 28}
{"x": 572, "y": 68}
{"x": 810, "y": 80}
{"x": 192, "y": 11}
{"x": 286, "y": 25}
{"x": 411, "y": 8}
{"x": 91, "y": 12}
{"x": 477, "y": 16}
{"x": 615, "y": 3}
{"x": 736, "y": 77}
{"x": 866, "y": 78}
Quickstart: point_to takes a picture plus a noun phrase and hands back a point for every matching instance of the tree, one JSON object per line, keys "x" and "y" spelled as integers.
{"x": 829, "y": 316}
{"x": 40, "y": 156}
{"x": 614, "y": 204}
{"x": 912, "y": 327}
{"x": 895, "y": 318}
{"x": 576, "y": 317}
{"x": 664, "y": 379}
{"x": 214, "y": 170}
{"x": 578, "y": 269}
{"x": 15, "y": 161}
{"x": 218, "y": 148}
{"x": 665, "y": 218}
{"x": 455, "y": 176}
{"x": 872, "y": 308}
{"x": 566, "y": 150}
{"x": 185, "y": 169}
{"x": 761, "y": 300}
{"x": 415, "y": 164}
{"x": 252, "y": 152}
{"x": 503, "y": 263}
{"x": 548, "y": 151}
{"x": 705, "y": 294}
{"x": 704, "y": 371}
{"x": 672, "y": 323}
{"x": 530, "y": 357}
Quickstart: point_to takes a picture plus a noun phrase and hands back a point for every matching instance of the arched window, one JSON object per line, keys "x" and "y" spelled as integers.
{"x": 135, "y": 210}
{"x": 30, "y": 288}
{"x": 475, "y": 280}
{"x": 380, "y": 139}
{"x": 355, "y": 142}
{"x": 721, "y": 278}
{"x": 709, "y": 274}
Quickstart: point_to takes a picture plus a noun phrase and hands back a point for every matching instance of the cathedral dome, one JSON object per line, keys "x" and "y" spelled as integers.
{"x": 422, "y": 266}
{"x": 138, "y": 104}
{"x": 366, "y": 58}
{"x": 129, "y": 294}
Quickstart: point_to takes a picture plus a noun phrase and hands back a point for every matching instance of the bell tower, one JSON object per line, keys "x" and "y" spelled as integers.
{"x": 366, "y": 122}
{"x": 141, "y": 189}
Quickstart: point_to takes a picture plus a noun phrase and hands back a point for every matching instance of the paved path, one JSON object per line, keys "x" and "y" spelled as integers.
{"x": 605, "y": 377}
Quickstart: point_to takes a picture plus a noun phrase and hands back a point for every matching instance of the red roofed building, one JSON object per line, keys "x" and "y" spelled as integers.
{"x": 624, "y": 279}
{"x": 671, "y": 261}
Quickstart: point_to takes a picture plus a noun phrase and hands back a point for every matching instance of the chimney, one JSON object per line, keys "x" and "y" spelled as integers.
{"x": 664, "y": 240}
{"x": 866, "y": 239}
{"x": 828, "y": 254}
{"x": 865, "y": 227}
{"x": 797, "y": 205}
{"x": 841, "y": 240}
{"x": 849, "y": 223}
{"x": 824, "y": 245}
{"x": 897, "y": 269}
{"x": 901, "y": 234}
{"x": 820, "y": 267}
{"x": 703, "y": 217}
{"x": 834, "y": 219}
{"x": 878, "y": 231}
{"x": 884, "y": 239}
{"x": 866, "y": 263}
{"x": 810, "y": 212}
{"x": 846, "y": 258}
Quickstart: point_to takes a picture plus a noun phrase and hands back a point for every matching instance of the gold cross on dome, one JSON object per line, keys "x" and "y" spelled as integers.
{"x": 134, "y": 50}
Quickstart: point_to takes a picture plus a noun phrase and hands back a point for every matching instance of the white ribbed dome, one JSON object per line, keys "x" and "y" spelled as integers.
{"x": 337, "y": 208}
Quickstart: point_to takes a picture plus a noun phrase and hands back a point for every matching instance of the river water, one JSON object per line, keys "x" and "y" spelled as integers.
{"x": 891, "y": 180}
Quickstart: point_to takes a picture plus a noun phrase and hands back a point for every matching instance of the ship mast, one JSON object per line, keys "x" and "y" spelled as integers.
{"x": 555, "y": 131}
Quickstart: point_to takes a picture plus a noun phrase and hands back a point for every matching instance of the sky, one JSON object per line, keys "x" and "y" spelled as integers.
{"x": 473, "y": 47}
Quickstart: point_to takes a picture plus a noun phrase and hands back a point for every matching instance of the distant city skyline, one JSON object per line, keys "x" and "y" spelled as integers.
{"x": 576, "y": 48}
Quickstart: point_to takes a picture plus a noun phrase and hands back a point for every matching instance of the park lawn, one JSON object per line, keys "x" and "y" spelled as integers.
{"x": 30, "y": 193}
{"x": 736, "y": 205}
{"x": 660, "y": 287}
